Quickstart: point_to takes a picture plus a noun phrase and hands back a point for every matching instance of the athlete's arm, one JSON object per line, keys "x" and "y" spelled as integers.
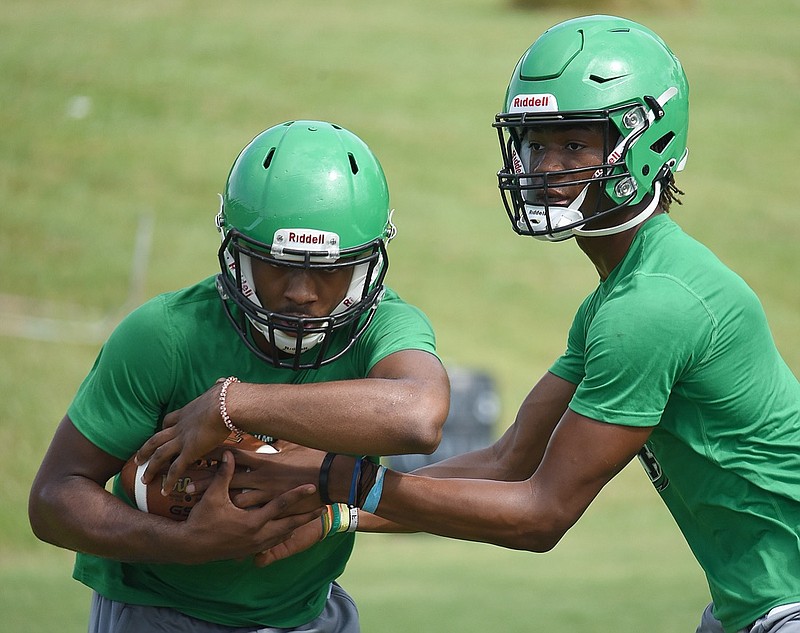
{"x": 514, "y": 457}
{"x": 400, "y": 407}
{"x": 70, "y": 507}
{"x": 581, "y": 457}
{"x": 517, "y": 454}
{"x": 524, "y": 492}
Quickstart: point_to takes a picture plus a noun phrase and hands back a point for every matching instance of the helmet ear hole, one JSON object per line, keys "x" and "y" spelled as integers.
{"x": 661, "y": 144}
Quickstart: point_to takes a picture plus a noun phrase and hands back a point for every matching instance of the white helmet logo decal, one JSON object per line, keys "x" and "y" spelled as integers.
{"x": 322, "y": 246}
{"x": 534, "y": 103}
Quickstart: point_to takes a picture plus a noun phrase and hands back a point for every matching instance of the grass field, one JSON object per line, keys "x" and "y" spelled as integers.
{"x": 120, "y": 121}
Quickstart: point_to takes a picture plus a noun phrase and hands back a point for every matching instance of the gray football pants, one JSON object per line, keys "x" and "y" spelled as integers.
{"x": 784, "y": 619}
{"x": 106, "y": 616}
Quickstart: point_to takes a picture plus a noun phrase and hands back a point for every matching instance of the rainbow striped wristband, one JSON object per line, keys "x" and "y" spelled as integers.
{"x": 338, "y": 518}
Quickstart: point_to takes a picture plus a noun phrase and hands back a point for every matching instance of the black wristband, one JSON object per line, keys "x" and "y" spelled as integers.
{"x": 324, "y": 471}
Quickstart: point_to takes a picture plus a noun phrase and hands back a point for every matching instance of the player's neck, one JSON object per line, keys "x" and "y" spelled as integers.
{"x": 607, "y": 251}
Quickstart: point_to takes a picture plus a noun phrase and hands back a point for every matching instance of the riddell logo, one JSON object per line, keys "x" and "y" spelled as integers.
{"x": 306, "y": 238}
{"x": 289, "y": 243}
{"x": 516, "y": 162}
{"x": 534, "y": 103}
{"x": 614, "y": 156}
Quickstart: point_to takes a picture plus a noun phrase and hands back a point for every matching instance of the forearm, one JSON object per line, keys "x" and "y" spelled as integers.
{"x": 502, "y": 461}
{"x": 478, "y": 464}
{"x": 369, "y": 416}
{"x": 518, "y": 453}
{"x": 368, "y": 522}
{"x": 59, "y": 514}
{"x": 79, "y": 515}
{"x": 501, "y": 513}
{"x": 474, "y": 465}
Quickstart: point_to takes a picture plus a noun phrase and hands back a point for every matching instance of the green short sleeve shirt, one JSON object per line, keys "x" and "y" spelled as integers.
{"x": 162, "y": 356}
{"x": 675, "y": 340}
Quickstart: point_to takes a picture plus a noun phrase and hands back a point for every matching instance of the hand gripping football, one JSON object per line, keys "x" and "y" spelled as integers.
{"x": 178, "y": 503}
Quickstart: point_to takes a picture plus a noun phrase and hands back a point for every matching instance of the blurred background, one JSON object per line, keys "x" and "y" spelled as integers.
{"x": 120, "y": 122}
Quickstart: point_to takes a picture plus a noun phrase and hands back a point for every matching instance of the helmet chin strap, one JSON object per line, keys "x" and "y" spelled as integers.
{"x": 562, "y": 216}
{"x": 629, "y": 224}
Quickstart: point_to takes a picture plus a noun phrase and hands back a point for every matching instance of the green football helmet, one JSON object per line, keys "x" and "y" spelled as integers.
{"x": 587, "y": 71}
{"x": 305, "y": 194}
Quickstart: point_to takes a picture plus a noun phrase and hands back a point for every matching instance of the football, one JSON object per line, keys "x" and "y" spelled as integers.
{"x": 178, "y": 503}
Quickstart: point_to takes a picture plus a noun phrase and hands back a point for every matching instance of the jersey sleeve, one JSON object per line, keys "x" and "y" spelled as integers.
{"x": 396, "y": 326}
{"x": 118, "y": 405}
{"x": 570, "y": 365}
{"x": 634, "y": 349}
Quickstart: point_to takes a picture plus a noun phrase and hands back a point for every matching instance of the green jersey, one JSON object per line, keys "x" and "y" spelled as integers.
{"x": 675, "y": 340}
{"x": 162, "y": 356}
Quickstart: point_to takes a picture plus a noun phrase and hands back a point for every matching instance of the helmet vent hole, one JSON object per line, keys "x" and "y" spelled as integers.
{"x": 645, "y": 170}
{"x": 353, "y": 163}
{"x": 268, "y": 159}
{"x": 601, "y": 80}
{"x": 661, "y": 144}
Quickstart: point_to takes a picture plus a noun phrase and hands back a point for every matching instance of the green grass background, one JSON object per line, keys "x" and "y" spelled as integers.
{"x": 118, "y": 114}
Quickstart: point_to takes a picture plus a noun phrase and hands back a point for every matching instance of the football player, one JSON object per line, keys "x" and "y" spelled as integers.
{"x": 297, "y": 337}
{"x": 669, "y": 359}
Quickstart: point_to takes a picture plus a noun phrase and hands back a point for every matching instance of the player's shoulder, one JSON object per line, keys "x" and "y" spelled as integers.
{"x": 182, "y": 308}
{"x": 396, "y": 325}
{"x": 667, "y": 266}
{"x": 392, "y": 305}
{"x": 202, "y": 292}
{"x": 667, "y": 246}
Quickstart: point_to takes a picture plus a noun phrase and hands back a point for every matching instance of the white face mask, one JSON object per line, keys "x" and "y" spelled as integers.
{"x": 283, "y": 341}
{"x": 564, "y": 216}
{"x": 289, "y": 343}
{"x": 536, "y": 215}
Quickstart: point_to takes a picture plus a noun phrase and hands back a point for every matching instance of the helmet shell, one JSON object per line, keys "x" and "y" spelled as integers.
{"x": 305, "y": 194}
{"x": 602, "y": 64}
{"x": 307, "y": 175}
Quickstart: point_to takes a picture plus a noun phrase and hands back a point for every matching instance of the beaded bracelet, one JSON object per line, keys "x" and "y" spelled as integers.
{"x": 223, "y": 408}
